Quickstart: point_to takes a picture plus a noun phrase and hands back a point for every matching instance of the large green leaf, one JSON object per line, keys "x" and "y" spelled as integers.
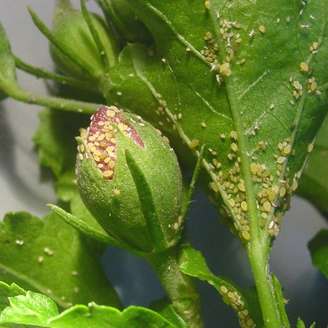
{"x": 50, "y": 257}
{"x": 314, "y": 183}
{"x": 7, "y": 64}
{"x": 192, "y": 263}
{"x": 248, "y": 79}
{"x": 31, "y": 308}
{"x": 318, "y": 247}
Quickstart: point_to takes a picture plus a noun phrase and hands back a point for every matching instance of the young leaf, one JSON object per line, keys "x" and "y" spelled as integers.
{"x": 32, "y": 309}
{"x": 50, "y": 257}
{"x": 192, "y": 263}
{"x": 8, "y": 291}
{"x": 36, "y": 309}
{"x": 318, "y": 247}
{"x": 96, "y": 316}
{"x": 314, "y": 183}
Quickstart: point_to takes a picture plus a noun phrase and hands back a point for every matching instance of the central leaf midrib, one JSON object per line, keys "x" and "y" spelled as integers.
{"x": 245, "y": 163}
{"x": 242, "y": 143}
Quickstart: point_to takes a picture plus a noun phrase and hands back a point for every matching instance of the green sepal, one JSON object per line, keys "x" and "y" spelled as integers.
{"x": 89, "y": 228}
{"x": 147, "y": 205}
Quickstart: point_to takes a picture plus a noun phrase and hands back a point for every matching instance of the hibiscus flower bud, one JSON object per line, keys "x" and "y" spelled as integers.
{"x": 73, "y": 33}
{"x": 129, "y": 179}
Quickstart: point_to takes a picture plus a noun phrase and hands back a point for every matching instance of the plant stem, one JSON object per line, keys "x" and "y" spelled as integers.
{"x": 179, "y": 287}
{"x": 53, "y": 102}
{"x": 44, "y": 74}
{"x": 263, "y": 281}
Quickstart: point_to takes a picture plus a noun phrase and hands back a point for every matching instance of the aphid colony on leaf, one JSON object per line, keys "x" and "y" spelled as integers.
{"x": 232, "y": 297}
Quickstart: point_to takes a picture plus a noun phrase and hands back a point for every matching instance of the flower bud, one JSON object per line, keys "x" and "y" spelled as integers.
{"x": 130, "y": 180}
{"x": 72, "y": 31}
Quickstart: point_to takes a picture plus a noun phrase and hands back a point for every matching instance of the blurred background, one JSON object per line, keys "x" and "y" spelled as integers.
{"x": 22, "y": 188}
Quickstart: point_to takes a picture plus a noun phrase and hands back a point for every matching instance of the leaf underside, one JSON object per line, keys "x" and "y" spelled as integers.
{"x": 248, "y": 79}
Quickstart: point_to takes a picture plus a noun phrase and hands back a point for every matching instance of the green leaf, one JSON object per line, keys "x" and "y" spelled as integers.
{"x": 56, "y": 146}
{"x": 214, "y": 75}
{"x": 50, "y": 257}
{"x": 7, "y": 64}
{"x": 96, "y": 316}
{"x": 32, "y": 308}
{"x": 314, "y": 183}
{"x": 37, "y": 309}
{"x": 192, "y": 263}
{"x": 8, "y": 291}
{"x": 318, "y": 247}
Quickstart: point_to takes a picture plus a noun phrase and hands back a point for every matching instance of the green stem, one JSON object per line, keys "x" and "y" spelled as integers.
{"x": 24, "y": 96}
{"x": 179, "y": 287}
{"x": 44, "y": 74}
{"x": 264, "y": 286}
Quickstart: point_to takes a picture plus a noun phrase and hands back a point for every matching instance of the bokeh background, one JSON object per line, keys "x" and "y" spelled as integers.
{"x": 23, "y": 188}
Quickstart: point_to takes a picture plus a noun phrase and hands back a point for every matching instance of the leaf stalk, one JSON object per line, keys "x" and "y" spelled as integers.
{"x": 179, "y": 287}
